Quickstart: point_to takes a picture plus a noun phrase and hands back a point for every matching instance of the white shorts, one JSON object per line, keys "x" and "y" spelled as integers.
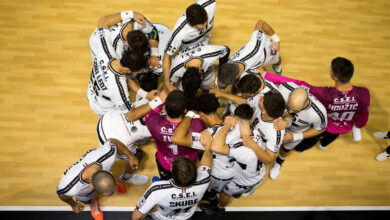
{"x": 164, "y": 34}
{"x": 217, "y": 184}
{"x": 235, "y": 188}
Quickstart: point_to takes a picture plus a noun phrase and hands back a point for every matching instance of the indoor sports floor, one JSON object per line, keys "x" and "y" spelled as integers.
{"x": 46, "y": 123}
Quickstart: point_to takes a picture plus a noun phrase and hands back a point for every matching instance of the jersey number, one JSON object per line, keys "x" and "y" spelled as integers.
{"x": 175, "y": 150}
{"x": 346, "y": 116}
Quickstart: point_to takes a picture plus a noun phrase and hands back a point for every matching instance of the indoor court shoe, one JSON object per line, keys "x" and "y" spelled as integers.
{"x": 96, "y": 213}
{"x": 155, "y": 179}
{"x": 382, "y": 156}
{"x": 381, "y": 135}
{"x": 275, "y": 170}
{"x": 321, "y": 147}
{"x": 135, "y": 179}
{"x": 120, "y": 188}
{"x": 277, "y": 69}
{"x": 210, "y": 209}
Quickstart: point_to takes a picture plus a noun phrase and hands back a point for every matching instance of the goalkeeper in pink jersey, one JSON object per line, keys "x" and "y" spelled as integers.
{"x": 347, "y": 105}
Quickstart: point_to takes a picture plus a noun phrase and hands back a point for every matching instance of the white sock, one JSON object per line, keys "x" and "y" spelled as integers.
{"x": 278, "y": 67}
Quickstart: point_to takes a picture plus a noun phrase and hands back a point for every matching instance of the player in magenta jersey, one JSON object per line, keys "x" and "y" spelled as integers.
{"x": 347, "y": 105}
{"x": 161, "y": 128}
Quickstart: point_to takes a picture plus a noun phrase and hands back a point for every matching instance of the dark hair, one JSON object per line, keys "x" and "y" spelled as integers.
{"x": 183, "y": 171}
{"x": 196, "y": 15}
{"x": 175, "y": 104}
{"x": 133, "y": 60}
{"x": 249, "y": 84}
{"x": 103, "y": 182}
{"x": 137, "y": 41}
{"x": 148, "y": 81}
{"x": 274, "y": 104}
{"x": 206, "y": 103}
{"x": 191, "y": 82}
{"x": 227, "y": 73}
{"x": 244, "y": 111}
{"x": 342, "y": 69}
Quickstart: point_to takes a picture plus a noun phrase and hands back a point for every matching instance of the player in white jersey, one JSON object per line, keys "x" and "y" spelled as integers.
{"x": 107, "y": 87}
{"x": 200, "y": 61}
{"x": 306, "y": 118}
{"x": 88, "y": 176}
{"x": 192, "y": 29}
{"x": 177, "y": 198}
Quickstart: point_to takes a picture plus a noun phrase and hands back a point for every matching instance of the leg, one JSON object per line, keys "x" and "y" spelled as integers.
{"x": 327, "y": 139}
{"x": 224, "y": 199}
{"x": 275, "y": 170}
{"x": 307, "y": 143}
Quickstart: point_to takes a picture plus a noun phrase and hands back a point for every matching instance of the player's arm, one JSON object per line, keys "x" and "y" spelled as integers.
{"x": 207, "y": 158}
{"x": 234, "y": 98}
{"x": 137, "y": 113}
{"x": 147, "y": 203}
{"x": 122, "y": 149}
{"x": 112, "y": 19}
{"x": 140, "y": 92}
{"x": 182, "y": 136}
{"x": 362, "y": 117}
{"x": 167, "y": 61}
{"x": 76, "y": 206}
{"x": 264, "y": 26}
{"x": 219, "y": 143}
{"x": 266, "y": 156}
{"x": 154, "y": 52}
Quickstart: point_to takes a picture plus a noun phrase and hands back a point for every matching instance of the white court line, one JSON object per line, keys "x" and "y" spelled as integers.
{"x": 229, "y": 209}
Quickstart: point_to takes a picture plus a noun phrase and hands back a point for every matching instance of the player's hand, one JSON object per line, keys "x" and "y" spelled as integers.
{"x": 134, "y": 162}
{"x": 78, "y": 207}
{"x": 275, "y": 47}
{"x": 230, "y": 121}
{"x": 138, "y": 17}
{"x": 153, "y": 63}
{"x": 163, "y": 95}
{"x": 216, "y": 91}
{"x": 152, "y": 94}
{"x": 249, "y": 142}
{"x": 213, "y": 85}
{"x": 288, "y": 137}
{"x": 206, "y": 139}
{"x": 280, "y": 124}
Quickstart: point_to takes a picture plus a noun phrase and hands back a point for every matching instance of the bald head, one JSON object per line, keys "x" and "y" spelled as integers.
{"x": 298, "y": 99}
{"x": 103, "y": 182}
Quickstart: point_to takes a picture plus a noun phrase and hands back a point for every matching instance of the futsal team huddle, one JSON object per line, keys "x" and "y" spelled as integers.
{"x": 203, "y": 157}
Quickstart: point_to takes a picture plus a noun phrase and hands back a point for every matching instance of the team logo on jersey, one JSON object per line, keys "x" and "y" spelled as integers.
{"x": 195, "y": 138}
{"x": 85, "y": 164}
{"x": 183, "y": 191}
{"x": 173, "y": 126}
{"x": 101, "y": 33}
{"x": 141, "y": 202}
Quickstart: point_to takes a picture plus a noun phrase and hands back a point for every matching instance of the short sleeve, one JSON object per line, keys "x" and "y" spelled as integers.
{"x": 149, "y": 199}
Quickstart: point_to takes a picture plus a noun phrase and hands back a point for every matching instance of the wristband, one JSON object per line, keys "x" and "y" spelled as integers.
{"x": 289, "y": 121}
{"x": 142, "y": 93}
{"x": 192, "y": 114}
{"x": 154, "y": 51}
{"x": 297, "y": 136}
{"x": 155, "y": 103}
{"x": 127, "y": 15}
{"x": 275, "y": 38}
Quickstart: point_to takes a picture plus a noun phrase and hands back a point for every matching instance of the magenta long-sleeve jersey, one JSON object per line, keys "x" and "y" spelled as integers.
{"x": 344, "y": 108}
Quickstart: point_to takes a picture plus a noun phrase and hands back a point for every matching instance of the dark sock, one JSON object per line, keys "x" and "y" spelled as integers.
{"x": 280, "y": 160}
{"x": 388, "y": 134}
{"x": 388, "y": 150}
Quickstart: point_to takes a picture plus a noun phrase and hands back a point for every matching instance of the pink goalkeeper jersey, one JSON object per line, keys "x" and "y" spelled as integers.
{"x": 344, "y": 108}
{"x": 162, "y": 130}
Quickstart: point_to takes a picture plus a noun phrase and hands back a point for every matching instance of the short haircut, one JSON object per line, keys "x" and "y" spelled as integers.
{"x": 133, "y": 60}
{"x": 148, "y": 81}
{"x": 274, "y": 104}
{"x": 175, "y": 104}
{"x": 342, "y": 69}
{"x": 137, "y": 41}
{"x": 184, "y": 171}
{"x": 103, "y": 182}
{"x": 249, "y": 84}
{"x": 191, "y": 82}
{"x": 227, "y": 74}
{"x": 244, "y": 111}
{"x": 196, "y": 15}
{"x": 206, "y": 103}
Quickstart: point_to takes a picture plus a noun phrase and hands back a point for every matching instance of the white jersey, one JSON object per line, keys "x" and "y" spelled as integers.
{"x": 266, "y": 136}
{"x": 208, "y": 54}
{"x": 256, "y": 52}
{"x": 174, "y": 202}
{"x": 313, "y": 115}
{"x": 114, "y": 124}
{"x": 185, "y": 35}
{"x": 107, "y": 88}
{"x": 71, "y": 183}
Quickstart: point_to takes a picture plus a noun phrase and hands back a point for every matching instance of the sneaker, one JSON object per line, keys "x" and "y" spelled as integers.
{"x": 277, "y": 69}
{"x": 381, "y": 135}
{"x": 382, "y": 156}
{"x": 210, "y": 209}
{"x": 96, "y": 213}
{"x": 321, "y": 147}
{"x": 155, "y": 179}
{"x": 121, "y": 189}
{"x": 135, "y": 179}
{"x": 275, "y": 170}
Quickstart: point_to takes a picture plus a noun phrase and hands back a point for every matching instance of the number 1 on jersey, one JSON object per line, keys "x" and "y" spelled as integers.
{"x": 174, "y": 149}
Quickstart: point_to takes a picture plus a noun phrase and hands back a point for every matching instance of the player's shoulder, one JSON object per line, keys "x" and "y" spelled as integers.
{"x": 271, "y": 86}
{"x": 289, "y": 85}
{"x": 362, "y": 90}
{"x": 205, "y": 3}
{"x": 203, "y": 174}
